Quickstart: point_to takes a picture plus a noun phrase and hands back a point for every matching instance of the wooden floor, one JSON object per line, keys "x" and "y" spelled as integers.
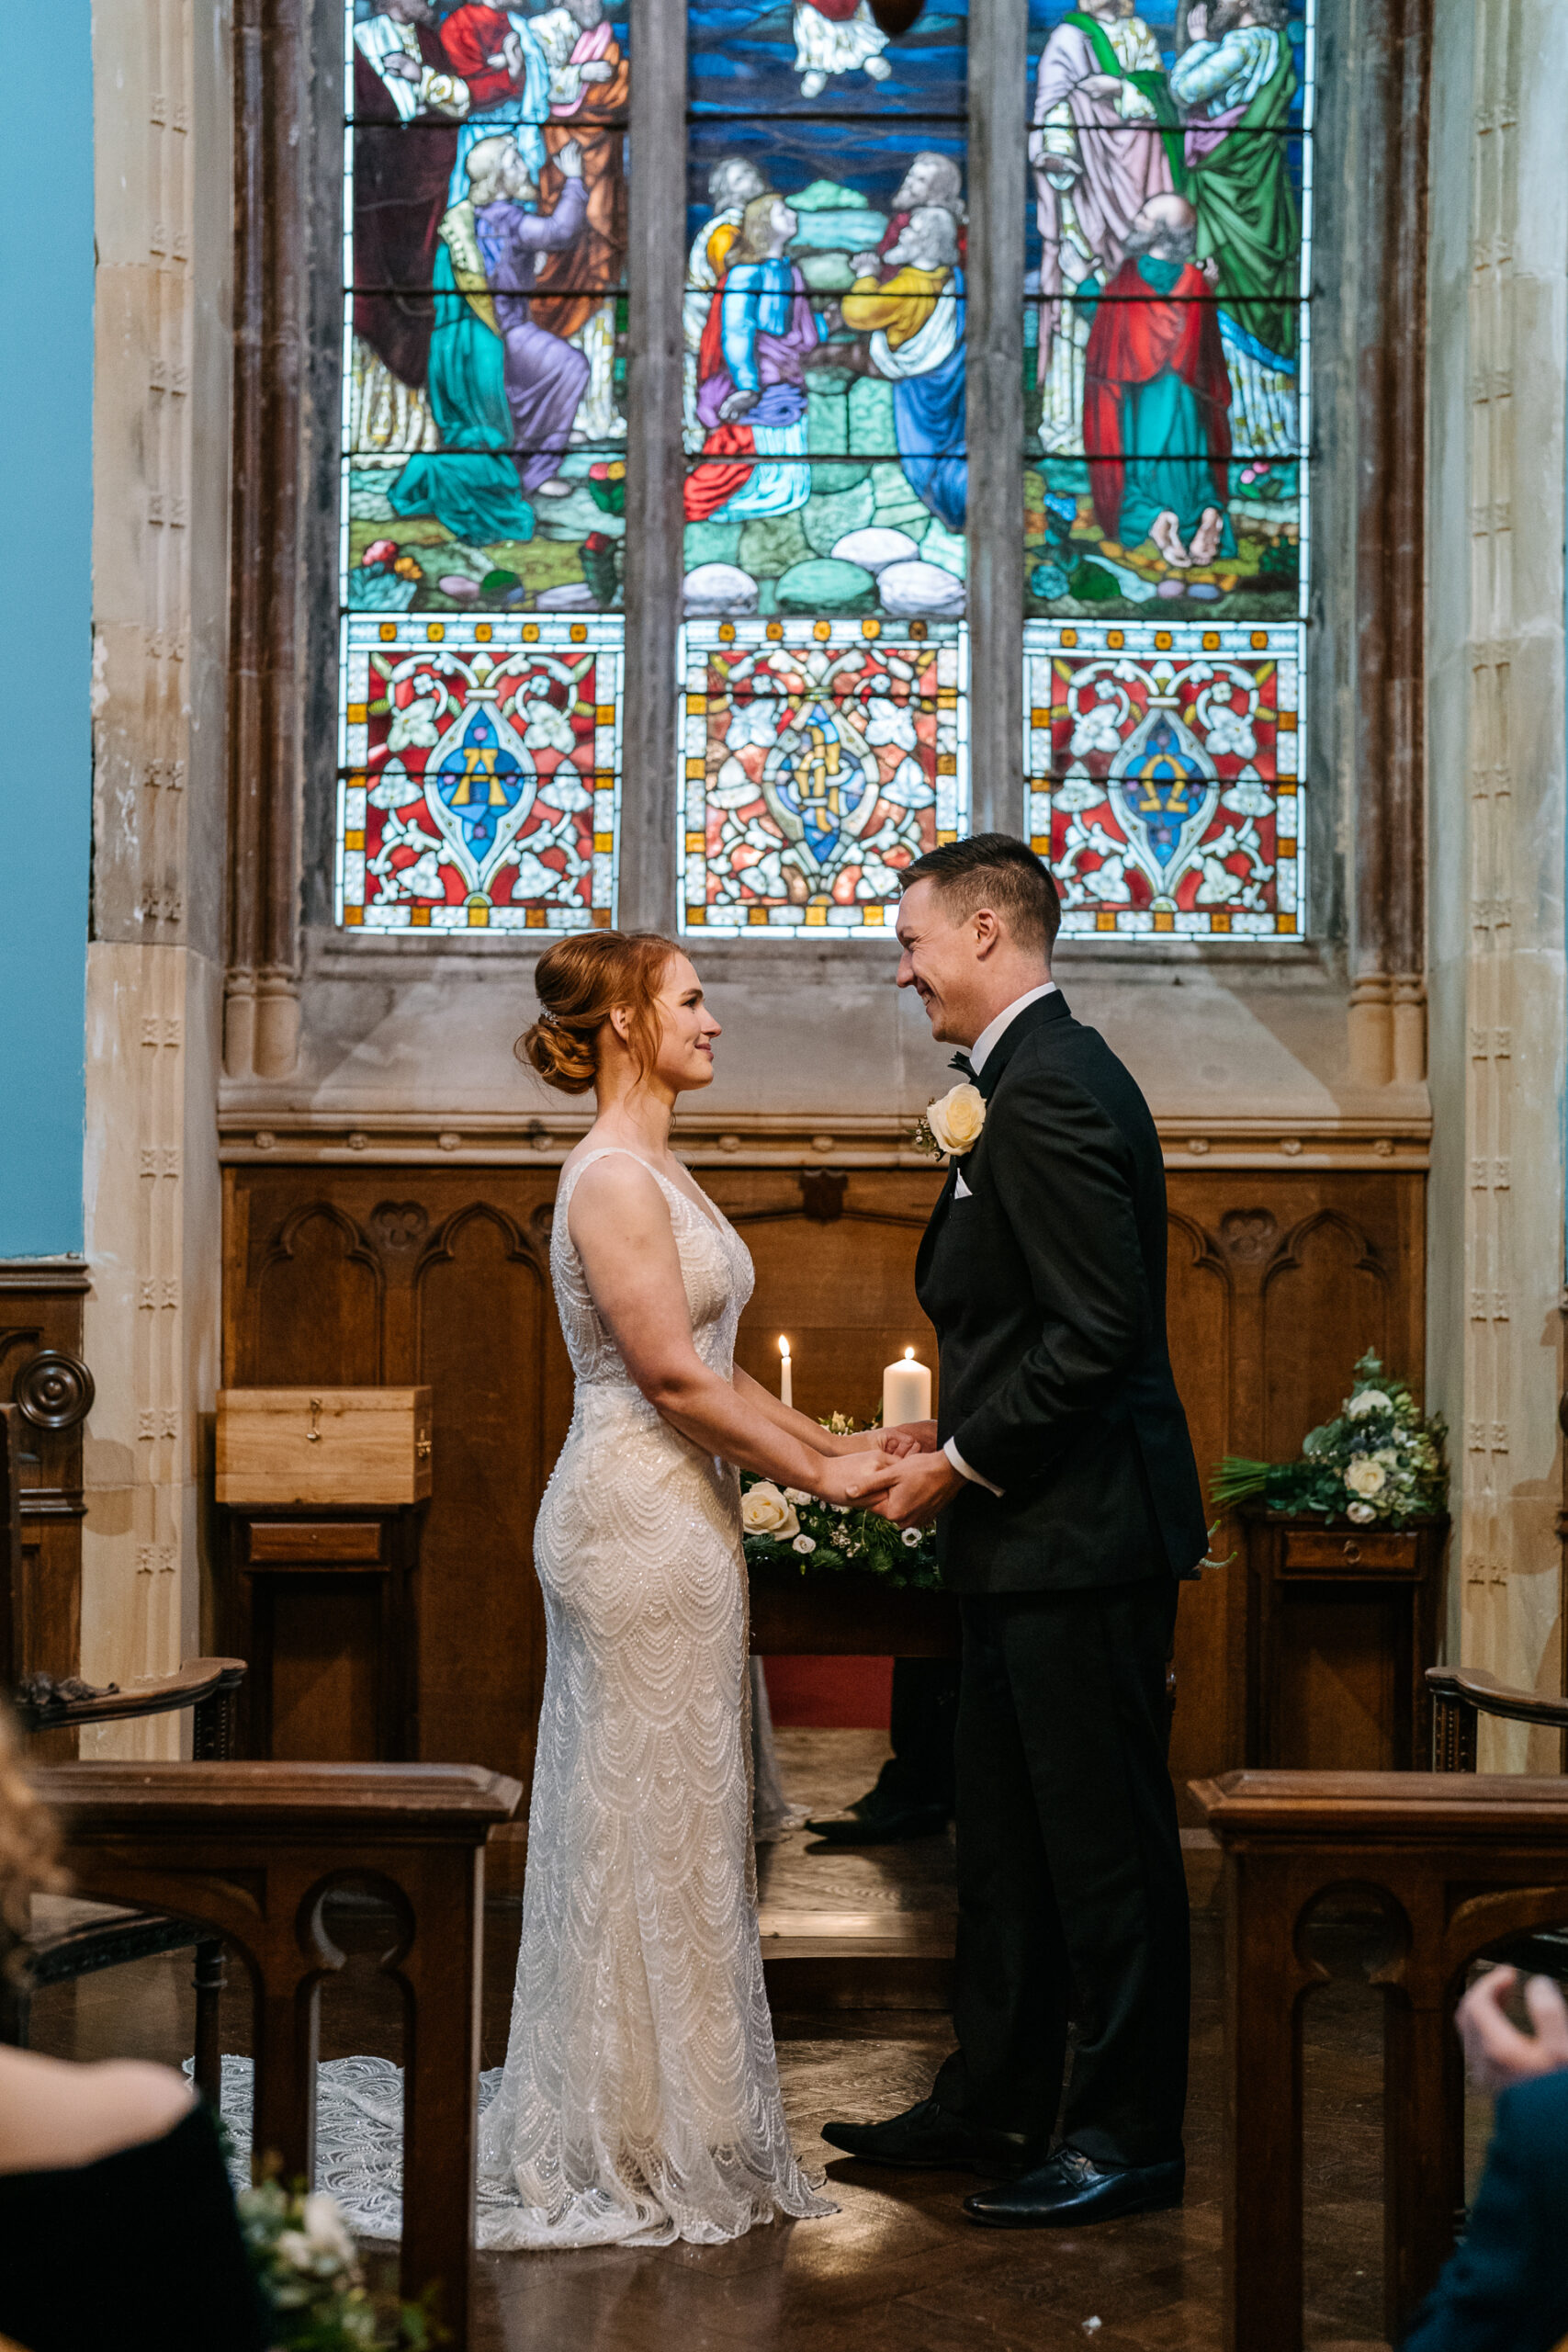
{"x": 898, "y": 2268}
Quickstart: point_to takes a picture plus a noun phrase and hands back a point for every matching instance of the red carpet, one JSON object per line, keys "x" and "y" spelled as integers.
{"x": 831, "y": 1694}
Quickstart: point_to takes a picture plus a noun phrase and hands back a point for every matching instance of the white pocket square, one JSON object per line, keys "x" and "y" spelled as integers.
{"x": 961, "y": 1191}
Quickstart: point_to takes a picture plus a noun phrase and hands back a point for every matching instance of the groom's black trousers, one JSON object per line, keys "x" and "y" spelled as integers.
{"x": 1072, "y": 1900}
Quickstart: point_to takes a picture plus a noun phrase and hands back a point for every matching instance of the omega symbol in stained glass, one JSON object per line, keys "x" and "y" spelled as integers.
{"x": 1164, "y": 777}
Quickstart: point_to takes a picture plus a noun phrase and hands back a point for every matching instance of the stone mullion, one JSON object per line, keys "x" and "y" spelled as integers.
{"x": 655, "y": 464}
{"x": 994, "y": 385}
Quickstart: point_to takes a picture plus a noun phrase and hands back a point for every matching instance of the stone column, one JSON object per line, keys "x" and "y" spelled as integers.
{"x": 1388, "y": 993}
{"x": 655, "y": 464}
{"x": 998, "y": 115}
{"x": 1500, "y": 357}
{"x": 272, "y": 114}
{"x": 154, "y": 964}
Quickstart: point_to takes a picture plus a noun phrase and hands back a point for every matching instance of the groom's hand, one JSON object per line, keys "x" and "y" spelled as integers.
{"x": 921, "y": 1485}
{"x": 907, "y": 1437}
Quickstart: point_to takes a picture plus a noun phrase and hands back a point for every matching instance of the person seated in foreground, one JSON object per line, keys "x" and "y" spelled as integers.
{"x": 1505, "y": 2288}
{"x": 116, "y": 2220}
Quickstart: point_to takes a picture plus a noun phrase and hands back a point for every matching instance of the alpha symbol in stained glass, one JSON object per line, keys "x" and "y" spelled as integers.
{"x": 482, "y": 783}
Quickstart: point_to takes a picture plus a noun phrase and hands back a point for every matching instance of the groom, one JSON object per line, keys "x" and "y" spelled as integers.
{"x": 1067, "y": 1506}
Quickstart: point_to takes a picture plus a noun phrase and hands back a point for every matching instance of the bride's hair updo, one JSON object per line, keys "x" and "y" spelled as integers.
{"x": 580, "y": 982}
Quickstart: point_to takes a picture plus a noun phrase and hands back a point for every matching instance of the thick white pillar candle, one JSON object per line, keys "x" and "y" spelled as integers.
{"x": 906, "y": 1391}
{"x": 786, "y": 1384}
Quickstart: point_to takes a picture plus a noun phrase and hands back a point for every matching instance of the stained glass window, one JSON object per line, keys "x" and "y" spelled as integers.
{"x": 483, "y": 465}
{"x": 823, "y": 660}
{"x": 1167, "y": 336}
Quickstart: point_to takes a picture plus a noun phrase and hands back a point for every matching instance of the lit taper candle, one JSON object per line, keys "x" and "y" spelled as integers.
{"x": 786, "y": 1384}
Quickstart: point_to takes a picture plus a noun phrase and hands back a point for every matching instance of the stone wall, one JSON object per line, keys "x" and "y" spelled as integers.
{"x": 1496, "y": 526}
{"x": 155, "y": 960}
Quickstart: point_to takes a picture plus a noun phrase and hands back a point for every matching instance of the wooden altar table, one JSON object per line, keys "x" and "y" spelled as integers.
{"x": 252, "y": 1850}
{"x": 1461, "y": 1862}
{"x": 847, "y": 1613}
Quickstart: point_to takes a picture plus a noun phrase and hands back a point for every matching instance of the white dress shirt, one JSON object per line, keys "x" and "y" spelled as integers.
{"x": 980, "y": 1052}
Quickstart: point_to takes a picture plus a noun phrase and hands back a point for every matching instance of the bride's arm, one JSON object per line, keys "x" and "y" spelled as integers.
{"x": 620, "y": 1225}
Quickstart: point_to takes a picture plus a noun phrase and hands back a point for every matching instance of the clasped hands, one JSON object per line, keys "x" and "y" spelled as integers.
{"x": 906, "y": 1478}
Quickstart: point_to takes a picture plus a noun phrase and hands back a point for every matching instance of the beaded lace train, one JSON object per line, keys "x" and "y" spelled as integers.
{"x": 640, "y": 2102}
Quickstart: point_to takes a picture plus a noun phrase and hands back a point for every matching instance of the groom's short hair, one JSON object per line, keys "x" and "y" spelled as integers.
{"x": 999, "y": 871}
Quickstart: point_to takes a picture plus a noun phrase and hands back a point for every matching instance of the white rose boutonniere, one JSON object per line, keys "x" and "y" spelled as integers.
{"x": 954, "y": 1121}
{"x": 765, "y": 1511}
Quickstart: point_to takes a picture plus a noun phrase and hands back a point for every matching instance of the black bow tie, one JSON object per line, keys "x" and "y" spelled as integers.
{"x": 963, "y": 1062}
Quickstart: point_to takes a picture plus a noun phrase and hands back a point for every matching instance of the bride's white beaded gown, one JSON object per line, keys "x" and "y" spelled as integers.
{"x": 640, "y": 2102}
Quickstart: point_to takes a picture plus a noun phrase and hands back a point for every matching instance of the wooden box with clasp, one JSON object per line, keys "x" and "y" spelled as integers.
{"x": 325, "y": 1446}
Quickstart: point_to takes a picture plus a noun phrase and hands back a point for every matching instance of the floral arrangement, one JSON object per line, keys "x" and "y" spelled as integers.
{"x": 1377, "y": 1463}
{"x": 952, "y": 1124}
{"x": 786, "y": 1523}
{"x": 305, "y": 2264}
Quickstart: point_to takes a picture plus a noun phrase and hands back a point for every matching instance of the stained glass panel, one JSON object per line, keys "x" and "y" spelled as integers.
{"x": 480, "y": 774}
{"x": 827, "y": 477}
{"x": 817, "y": 758}
{"x": 483, "y": 434}
{"x": 1163, "y": 772}
{"x": 1166, "y": 484}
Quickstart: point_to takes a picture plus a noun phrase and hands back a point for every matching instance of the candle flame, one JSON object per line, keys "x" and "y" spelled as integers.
{"x": 784, "y": 1347}
{"x": 909, "y": 1355}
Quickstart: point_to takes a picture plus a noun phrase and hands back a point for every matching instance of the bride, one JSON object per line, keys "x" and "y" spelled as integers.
{"x": 639, "y": 2101}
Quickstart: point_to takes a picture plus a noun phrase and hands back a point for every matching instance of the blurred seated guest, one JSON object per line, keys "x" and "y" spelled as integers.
{"x": 1506, "y": 2290}
{"x": 116, "y": 2221}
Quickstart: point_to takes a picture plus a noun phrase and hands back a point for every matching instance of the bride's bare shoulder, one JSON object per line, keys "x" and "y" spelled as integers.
{"x": 612, "y": 1187}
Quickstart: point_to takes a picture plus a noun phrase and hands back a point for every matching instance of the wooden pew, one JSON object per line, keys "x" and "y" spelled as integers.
{"x": 1464, "y": 1861}
{"x": 252, "y": 1850}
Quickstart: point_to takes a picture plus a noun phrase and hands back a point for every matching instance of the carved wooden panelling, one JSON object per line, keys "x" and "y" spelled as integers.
{"x": 1277, "y": 1283}
{"x": 42, "y": 1309}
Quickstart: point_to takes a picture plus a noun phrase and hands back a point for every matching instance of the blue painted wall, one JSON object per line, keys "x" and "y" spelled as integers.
{"x": 46, "y": 618}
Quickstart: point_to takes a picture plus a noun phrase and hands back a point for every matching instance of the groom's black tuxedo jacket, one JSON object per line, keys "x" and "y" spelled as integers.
{"x": 1046, "y": 1287}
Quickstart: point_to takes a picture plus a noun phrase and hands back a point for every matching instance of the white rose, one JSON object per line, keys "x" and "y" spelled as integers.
{"x": 1371, "y": 1400}
{"x": 763, "y": 1511}
{"x": 1361, "y": 1513}
{"x": 326, "y": 2227}
{"x": 1364, "y": 1477}
{"x": 804, "y": 1543}
{"x": 956, "y": 1118}
{"x": 911, "y": 1536}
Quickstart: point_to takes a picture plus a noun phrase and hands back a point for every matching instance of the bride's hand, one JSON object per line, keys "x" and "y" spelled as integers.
{"x": 907, "y": 1437}
{"x": 858, "y": 1479}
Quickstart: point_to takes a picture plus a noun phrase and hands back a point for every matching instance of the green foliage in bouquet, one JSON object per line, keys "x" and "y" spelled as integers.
{"x": 305, "y": 2263}
{"x": 1377, "y": 1463}
{"x": 786, "y": 1523}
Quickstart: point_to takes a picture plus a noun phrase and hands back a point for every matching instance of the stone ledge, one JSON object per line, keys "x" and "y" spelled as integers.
{"x": 253, "y": 1137}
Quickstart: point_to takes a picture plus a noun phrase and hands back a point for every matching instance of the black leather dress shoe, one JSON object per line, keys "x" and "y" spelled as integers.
{"x": 1069, "y": 2192}
{"x": 925, "y": 2140}
{"x": 884, "y": 1826}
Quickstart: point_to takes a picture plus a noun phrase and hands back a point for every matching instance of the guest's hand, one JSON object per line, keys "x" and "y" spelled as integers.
{"x": 907, "y": 1437}
{"x": 858, "y": 1479}
{"x": 1497, "y": 2053}
{"x": 918, "y": 1488}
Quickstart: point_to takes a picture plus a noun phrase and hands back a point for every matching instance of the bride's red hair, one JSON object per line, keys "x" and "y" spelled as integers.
{"x": 580, "y": 982}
